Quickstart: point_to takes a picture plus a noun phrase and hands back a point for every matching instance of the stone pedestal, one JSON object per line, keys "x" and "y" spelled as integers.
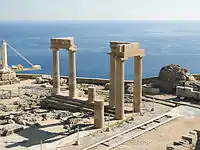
{"x": 112, "y": 81}
{"x": 119, "y": 103}
{"x": 99, "y": 114}
{"x": 72, "y": 73}
{"x": 91, "y": 94}
{"x": 56, "y": 72}
{"x": 137, "y": 84}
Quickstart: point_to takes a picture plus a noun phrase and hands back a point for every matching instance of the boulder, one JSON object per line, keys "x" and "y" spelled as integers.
{"x": 63, "y": 81}
{"x": 71, "y": 121}
{"x": 63, "y": 114}
{"x": 39, "y": 80}
{"x": 171, "y": 76}
{"x": 174, "y": 73}
{"x": 128, "y": 89}
{"x": 107, "y": 86}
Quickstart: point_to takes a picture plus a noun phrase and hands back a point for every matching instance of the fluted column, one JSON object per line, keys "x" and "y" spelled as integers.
{"x": 56, "y": 71}
{"x": 72, "y": 73}
{"x": 137, "y": 98}
{"x": 112, "y": 80}
{"x": 119, "y": 103}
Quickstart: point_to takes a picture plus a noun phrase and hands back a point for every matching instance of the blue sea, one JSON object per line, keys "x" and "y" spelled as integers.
{"x": 165, "y": 42}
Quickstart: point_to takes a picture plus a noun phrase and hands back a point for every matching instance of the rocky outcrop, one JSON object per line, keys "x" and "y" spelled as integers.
{"x": 171, "y": 76}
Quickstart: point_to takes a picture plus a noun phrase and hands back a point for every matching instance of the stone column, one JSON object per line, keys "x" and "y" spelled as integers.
{"x": 72, "y": 73}
{"x": 99, "y": 114}
{"x": 137, "y": 98}
{"x": 56, "y": 71}
{"x": 119, "y": 103}
{"x": 112, "y": 80}
{"x": 4, "y": 55}
{"x": 91, "y": 94}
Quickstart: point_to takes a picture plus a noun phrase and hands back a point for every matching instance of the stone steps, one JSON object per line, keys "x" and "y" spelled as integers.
{"x": 74, "y": 104}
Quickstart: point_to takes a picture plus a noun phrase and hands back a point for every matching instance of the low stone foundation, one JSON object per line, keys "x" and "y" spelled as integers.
{"x": 98, "y": 81}
{"x": 8, "y": 78}
{"x": 187, "y": 92}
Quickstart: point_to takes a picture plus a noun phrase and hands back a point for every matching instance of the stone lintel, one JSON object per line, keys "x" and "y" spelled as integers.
{"x": 114, "y": 44}
{"x": 63, "y": 43}
{"x": 126, "y": 50}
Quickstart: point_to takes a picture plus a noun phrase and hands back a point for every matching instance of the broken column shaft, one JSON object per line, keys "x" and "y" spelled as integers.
{"x": 91, "y": 94}
{"x": 99, "y": 114}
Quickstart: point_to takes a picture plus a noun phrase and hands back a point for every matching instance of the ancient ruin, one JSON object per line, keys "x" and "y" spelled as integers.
{"x": 6, "y": 73}
{"x": 68, "y": 44}
{"x": 69, "y": 112}
{"x": 121, "y": 51}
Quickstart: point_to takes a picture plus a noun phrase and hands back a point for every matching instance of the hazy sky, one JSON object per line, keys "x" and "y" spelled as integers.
{"x": 100, "y": 9}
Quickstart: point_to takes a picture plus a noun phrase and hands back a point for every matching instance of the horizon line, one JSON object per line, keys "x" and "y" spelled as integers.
{"x": 100, "y": 20}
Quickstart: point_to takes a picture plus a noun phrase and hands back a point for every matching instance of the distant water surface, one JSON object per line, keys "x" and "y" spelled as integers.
{"x": 164, "y": 43}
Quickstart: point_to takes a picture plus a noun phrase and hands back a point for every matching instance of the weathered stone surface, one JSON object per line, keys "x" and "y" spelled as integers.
{"x": 63, "y": 114}
{"x": 63, "y": 81}
{"x": 9, "y": 129}
{"x": 171, "y": 76}
{"x": 174, "y": 73}
{"x": 3, "y": 122}
{"x": 107, "y": 86}
{"x": 193, "y": 84}
{"x": 39, "y": 80}
{"x": 128, "y": 89}
{"x": 148, "y": 89}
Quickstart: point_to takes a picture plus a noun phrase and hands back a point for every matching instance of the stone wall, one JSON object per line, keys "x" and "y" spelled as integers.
{"x": 187, "y": 92}
{"x": 98, "y": 81}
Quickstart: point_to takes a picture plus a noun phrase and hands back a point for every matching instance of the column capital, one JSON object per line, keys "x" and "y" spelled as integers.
{"x": 120, "y": 58}
{"x": 55, "y": 49}
{"x": 72, "y": 48}
{"x": 111, "y": 54}
{"x": 138, "y": 57}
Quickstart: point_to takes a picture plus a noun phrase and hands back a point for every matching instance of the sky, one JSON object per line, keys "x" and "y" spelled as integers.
{"x": 99, "y": 9}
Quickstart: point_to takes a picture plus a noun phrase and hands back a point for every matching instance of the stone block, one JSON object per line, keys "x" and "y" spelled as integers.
{"x": 170, "y": 147}
{"x": 91, "y": 94}
{"x": 195, "y": 94}
{"x": 150, "y": 90}
{"x": 126, "y": 49}
{"x": 99, "y": 114}
{"x": 188, "y": 138}
{"x": 184, "y": 91}
{"x": 198, "y": 132}
{"x": 62, "y": 43}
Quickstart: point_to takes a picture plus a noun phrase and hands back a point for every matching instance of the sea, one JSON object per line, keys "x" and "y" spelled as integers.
{"x": 165, "y": 42}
